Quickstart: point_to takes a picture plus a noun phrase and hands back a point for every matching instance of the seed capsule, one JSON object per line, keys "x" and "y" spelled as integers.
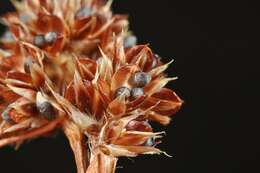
{"x": 47, "y": 110}
{"x": 130, "y": 41}
{"x": 140, "y": 79}
{"x": 122, "y": 91}
{"x": 84, "y": 12}
{"x": 50, "y": 37}
{"x": 137, "y": 92}
{"x": 39, "y": 40}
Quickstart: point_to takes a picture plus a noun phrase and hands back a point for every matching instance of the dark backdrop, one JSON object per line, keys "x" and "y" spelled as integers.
{"x": 215, "y": 46}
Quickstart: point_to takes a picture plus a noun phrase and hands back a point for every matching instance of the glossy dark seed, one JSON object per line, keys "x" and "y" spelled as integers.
{"x": 137, "y": 92}
{"x": 47, "y": 110}
{"x": 27, "y": 65}
{"x": 122, "y": 91}
{"x": 130, "y": 41}
{"x": 84, "y": 12}
{"x": 39, "y": 40}
{"x": 140, "y": 79}
{"x": 50, "y": 37}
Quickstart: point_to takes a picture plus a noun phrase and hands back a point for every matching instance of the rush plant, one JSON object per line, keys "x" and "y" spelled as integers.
{"x": 73, "y": 65}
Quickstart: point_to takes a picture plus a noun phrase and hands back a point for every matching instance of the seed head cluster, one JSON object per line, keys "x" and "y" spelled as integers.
{"x": 73, "y": 65}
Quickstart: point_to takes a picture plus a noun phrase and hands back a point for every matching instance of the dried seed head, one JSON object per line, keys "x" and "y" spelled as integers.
{"x": 122, "y": 91}
{"x": 63, "y": 73}
{"x": 27, "y": 64}
{"x": 39, "y": 40}
{"x": 130, "y": 41}
{"x": 50, "y": 37}
{"x": 140, "y": 79}
{"x": 47, "y": 110}
{"x": 137, "y": 92}
{"x": 84, "y": 12}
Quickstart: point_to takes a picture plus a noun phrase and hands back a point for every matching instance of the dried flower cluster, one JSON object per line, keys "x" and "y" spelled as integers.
{"x": 73, "y": 65}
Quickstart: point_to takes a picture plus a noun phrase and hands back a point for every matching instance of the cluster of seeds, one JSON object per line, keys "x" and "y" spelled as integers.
{"x": 138, "y": 80}
{"x": 46, "y": 39}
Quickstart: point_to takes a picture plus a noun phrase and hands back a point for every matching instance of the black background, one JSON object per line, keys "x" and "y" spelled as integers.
{"x": 215, "y": 46}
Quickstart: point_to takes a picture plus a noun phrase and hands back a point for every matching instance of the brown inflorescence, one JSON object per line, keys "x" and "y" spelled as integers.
{"x": 75, "y": 66}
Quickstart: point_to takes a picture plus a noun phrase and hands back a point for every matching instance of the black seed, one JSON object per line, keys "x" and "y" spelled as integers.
{"x": 39, "y": 41}
{"x": 47, "y": 110}
{"x": 50, "y": 37}
{"x": 140, "y": 79}
{"x": 122, "y": 91}
{"x": 130, "y": 41}
{"x": 84, "y": 12}
{"x": 137, "y": 92}
{"x": 27, "y": 65}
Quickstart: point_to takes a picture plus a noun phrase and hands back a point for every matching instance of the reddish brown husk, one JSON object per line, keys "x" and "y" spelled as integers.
{"x": 78, "y": 76}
